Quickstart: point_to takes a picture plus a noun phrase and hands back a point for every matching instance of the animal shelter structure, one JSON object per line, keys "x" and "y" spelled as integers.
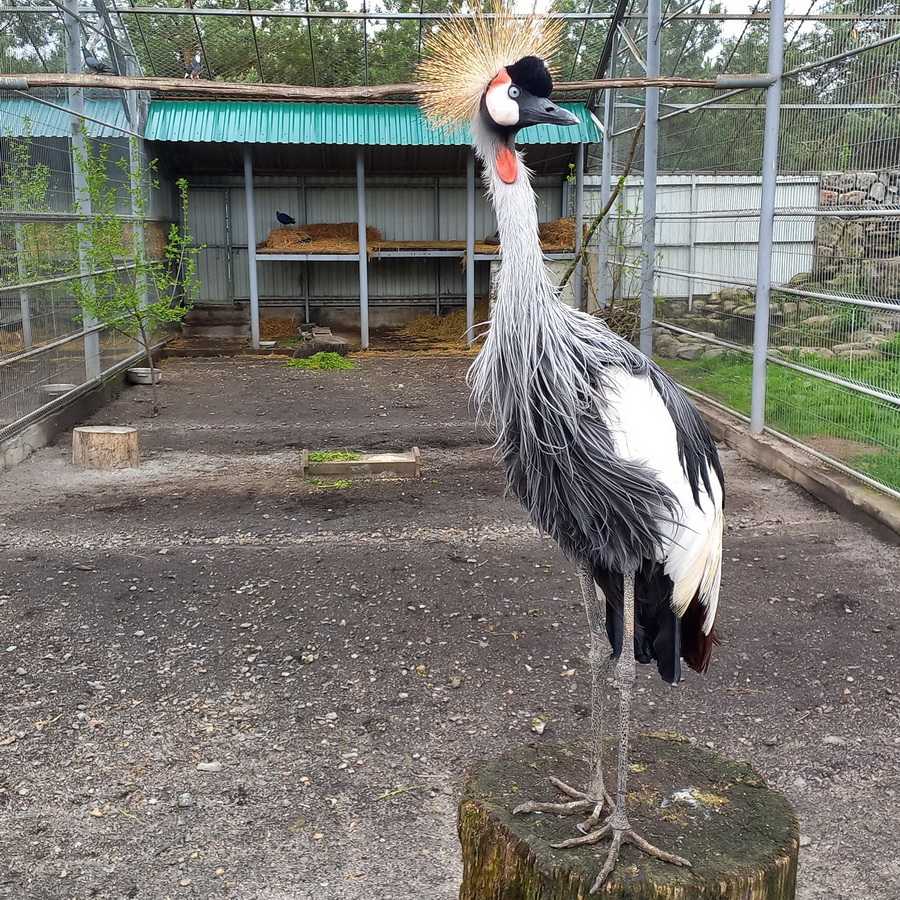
{"x": 749, "y": 162}
{"x": 415, "y": 221}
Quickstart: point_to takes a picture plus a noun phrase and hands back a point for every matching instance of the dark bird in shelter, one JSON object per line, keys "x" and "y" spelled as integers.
{"x": 285, "y": 219}
{"x": 602, "y": 448}
{"x": 194, "y": 68}
{"x": 93, "y": 64}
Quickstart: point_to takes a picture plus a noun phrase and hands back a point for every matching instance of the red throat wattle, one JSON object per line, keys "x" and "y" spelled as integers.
{"x": 507, "y": 164}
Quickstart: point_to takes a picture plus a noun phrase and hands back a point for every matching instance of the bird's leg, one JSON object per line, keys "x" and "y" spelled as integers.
{"x": 595, "y": 797}
{"x": 618, "y": 823}
{"x": 594, "y": 603}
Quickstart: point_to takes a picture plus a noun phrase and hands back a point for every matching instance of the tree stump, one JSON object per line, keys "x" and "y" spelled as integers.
{"x": 105, "y": 447}
{"x": 741, "y": 837}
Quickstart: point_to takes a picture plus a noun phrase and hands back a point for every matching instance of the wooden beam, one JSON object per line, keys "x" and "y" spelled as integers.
{"x": 184, "y": 87}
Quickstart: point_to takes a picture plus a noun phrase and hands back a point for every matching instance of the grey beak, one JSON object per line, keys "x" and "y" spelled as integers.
{"x": 541, "y": 111}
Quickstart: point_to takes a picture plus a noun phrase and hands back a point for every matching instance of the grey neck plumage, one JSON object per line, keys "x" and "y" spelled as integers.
{"x": 523, "y": 278}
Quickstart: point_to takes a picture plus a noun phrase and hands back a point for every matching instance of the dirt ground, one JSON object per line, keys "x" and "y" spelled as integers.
{"x": 334, "y": 659}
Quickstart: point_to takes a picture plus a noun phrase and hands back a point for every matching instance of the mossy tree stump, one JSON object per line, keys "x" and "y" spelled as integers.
{"x": 741, "y": 837}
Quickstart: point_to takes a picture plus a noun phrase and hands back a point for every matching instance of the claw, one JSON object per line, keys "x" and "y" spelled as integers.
{"x": 628, "y": 836}
{"x": 559, "y": 809}
{"x": 592, "y": 838}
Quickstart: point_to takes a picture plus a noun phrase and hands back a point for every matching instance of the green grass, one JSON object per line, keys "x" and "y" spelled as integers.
{"x": 322, "y": 360}
{"x": 334, "y": 455}
{"x": 340, "y": 484}
{"x": 806, "y": 408}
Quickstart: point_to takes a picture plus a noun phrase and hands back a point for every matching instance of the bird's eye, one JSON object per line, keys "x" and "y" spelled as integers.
{"x": 514, "y": 92}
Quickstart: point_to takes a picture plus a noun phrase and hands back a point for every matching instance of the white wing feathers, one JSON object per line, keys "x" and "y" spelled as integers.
{"x": 643, "y": 431}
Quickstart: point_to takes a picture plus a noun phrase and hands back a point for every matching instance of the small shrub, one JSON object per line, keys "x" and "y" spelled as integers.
{"x": 341, "y": 484}
{"x": 322, "y": 360}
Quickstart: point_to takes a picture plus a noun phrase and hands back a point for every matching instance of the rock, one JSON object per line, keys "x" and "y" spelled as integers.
{"x": 851, "y": 198}
{"x": 212, "y": 767}
{"x": 185, "y": 800}
{"x": 834, "y": 741}
{"x": 691, "y": 351}
{"x": 846, "y": 182}
{"x": 877, "y": 192}
{"x": 864, "y": 180}
{"x": 805, "y": 840}
{"x": 818, "y": 321}
{"x": 738, "y": 295}
{"x": 714, "y": 352}
{"x": 320, "y": 340}
{"x": 748, "y": 310}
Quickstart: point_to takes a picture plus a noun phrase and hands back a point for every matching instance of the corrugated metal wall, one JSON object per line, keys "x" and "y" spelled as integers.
{"x": 411, "y": 209}
{"x": 716, "y": 245}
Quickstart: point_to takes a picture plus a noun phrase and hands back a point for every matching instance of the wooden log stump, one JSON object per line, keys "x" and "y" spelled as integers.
{"x": 105, "y": 447}
{"x": 741, "y": 837}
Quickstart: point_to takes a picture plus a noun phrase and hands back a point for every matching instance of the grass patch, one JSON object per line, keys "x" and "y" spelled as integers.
{"x": 334, "y": 456}
{"x": 340, "y": 484}
{"x": 806, "y": 408}
{"x": 322, "y": 360}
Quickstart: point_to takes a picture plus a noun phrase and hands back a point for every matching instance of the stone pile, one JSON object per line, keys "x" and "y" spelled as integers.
{"x": 860, "y": 253}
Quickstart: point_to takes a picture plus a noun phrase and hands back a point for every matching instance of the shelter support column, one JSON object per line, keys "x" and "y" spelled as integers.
{"x": 651, "y": 134}
{"x": 79, "y": 183}
{"x": 767, "y": 217}
{"x": 250, "y": 204}
{"x": 470, "y": 248}
{"x": 578, "y": 284}
{"x": 363, "y": 249}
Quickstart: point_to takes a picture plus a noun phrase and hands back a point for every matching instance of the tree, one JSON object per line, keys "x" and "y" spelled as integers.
{"x": 141, "y": 298}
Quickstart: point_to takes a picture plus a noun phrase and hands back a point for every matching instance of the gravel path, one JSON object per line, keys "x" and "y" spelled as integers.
{"x": 222, "y": 681}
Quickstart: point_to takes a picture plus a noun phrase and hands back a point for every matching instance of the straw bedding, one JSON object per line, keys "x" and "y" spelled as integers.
{"x": 557, "y": 236}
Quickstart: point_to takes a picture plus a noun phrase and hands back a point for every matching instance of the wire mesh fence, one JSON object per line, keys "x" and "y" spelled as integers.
{"x": 832, "y": 352}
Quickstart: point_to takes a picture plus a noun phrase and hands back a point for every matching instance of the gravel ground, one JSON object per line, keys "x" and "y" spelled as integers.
{"x": 221, "y": 681}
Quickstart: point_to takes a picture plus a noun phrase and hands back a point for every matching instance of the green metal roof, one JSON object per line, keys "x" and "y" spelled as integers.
{"x": 360, "y": 124}
{"x": 20, "y": 116}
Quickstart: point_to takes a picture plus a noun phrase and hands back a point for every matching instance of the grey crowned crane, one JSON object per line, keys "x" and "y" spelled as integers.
{"x": 601, "y": 447}
{"x": 285, "y": 219}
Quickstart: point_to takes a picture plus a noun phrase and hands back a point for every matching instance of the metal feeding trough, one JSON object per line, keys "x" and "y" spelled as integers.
{"x": 364, "y": 464}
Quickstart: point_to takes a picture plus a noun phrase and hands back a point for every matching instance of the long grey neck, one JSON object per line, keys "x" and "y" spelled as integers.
{"x": 523, "y": 278}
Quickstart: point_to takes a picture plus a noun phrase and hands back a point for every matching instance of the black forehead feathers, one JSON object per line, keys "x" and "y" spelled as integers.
{"x": 531, "y": 74}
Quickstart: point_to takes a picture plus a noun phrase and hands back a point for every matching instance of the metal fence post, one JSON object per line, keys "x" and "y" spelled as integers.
{"x": 767, "y": 218}
{"x": 79, "y": 152}
{"x": 250, "y": 204}
{"x": 692, "y": 240}
{"x": 604, "y": 276}
{"x": 363, "y": 249}
{"x": 24, "y": 299}
{"x": 648, "y": 237}
{"x": 579, "y": 280}
{"x": 470, "y": 247}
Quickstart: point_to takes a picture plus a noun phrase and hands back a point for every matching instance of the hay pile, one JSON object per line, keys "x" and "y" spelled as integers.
{"x": 449, "y": 329}
{"x": 557, "y": 235}
{"x": 278, "y": 329}
{"x": 323, "y": 237}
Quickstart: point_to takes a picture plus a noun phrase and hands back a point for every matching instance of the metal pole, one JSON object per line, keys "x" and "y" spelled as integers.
{"x": 767, "y": 219}
{"x": 470, "y": 248}
{"x": 604, "y": 276}
{"x": 578, "y": 284}
{"x": 648, "y": 240}
{"x": 140, "y": 190}
{"x": 250, "y": 204}
{"x": 692, "y": 239}
{"x": 24, "y": 300}
{"x": 79, "y": 183}
{"x": 363, "y": 249}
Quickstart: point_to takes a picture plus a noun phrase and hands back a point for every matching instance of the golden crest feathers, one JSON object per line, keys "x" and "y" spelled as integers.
{"x": 463, "y": 55}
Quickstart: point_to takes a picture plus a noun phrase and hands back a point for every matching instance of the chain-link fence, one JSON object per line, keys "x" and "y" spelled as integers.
{"x": 830, "y": 342}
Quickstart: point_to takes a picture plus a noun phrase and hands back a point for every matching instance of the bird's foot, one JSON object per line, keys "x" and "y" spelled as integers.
{"x": 581, "y": 802}
{"x": 620, "y": 836}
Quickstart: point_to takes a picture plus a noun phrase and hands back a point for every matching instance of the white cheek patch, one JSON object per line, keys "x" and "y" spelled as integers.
{"x": 502, "y": 108}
